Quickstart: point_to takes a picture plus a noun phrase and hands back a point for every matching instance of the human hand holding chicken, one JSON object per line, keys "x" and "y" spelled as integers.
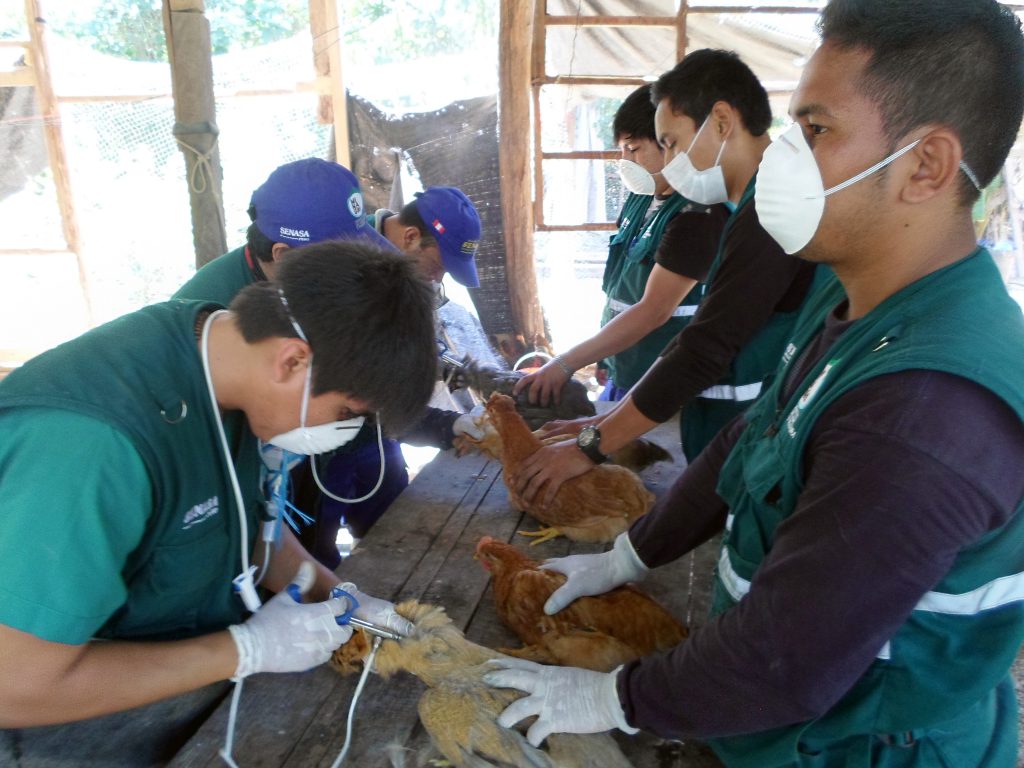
{"x": 594, "y": 574}
{"x": 552, "y": 464}
{"x": 545, "y": 383}
{"x": 564, "y": 699}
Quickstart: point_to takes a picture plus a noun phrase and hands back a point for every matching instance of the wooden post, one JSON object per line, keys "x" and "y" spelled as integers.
{"x": 49, "y": 111}
{"x": 333, "y": 108}
{"x": 514, "y": 160}
{"x": 195, "y": 128}
{"x": 681, "y": 31}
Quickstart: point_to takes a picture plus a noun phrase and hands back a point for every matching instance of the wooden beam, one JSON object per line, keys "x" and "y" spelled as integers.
{"x": 195, "y": 112}
{"x": 538, "y": 65}
{"x": 681, "y": 32}
{"x": 53, "y": 134}
{"x": 325, "y": 29}
{"x": 588, "y": 80}
{"x": 601, "y": 226}
{"x": 583, "y": 154}
{"x": 23, "y": 76}
{"x": 610, "y": 21}
{"x": 516, "y": 28}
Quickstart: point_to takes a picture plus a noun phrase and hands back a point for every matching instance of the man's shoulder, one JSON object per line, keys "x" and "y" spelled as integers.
{"x": 218, "y": 280}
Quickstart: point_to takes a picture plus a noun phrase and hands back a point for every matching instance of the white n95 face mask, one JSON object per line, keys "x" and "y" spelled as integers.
{"x": 322, "y": 438}
{"x": 310, "y": 441}
{"x": 636, "y": 178}
{"x": 789, "y": 195}
{"x": 705, "y": 187}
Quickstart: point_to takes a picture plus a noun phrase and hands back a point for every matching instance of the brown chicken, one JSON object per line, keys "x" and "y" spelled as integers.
{"x": 597, "y": 633}
{"x": 596, "y": 506}
{"x": 637, "y": 454}
{"x": 459, "y": 710}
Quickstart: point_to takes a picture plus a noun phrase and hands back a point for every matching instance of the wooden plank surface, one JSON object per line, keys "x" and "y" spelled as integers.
{"x": 423, "y": 549}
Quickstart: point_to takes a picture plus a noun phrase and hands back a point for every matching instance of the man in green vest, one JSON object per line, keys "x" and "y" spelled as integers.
{"x": 130, "y": 483}
{"x": 309, "y": 201}
{"x": 869, "y": 596}
{"x": 661, "y": 252}
{"x": 712, "y": 121}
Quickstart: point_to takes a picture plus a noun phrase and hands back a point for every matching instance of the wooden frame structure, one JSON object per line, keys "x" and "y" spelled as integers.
{"x": 36, "y": 75}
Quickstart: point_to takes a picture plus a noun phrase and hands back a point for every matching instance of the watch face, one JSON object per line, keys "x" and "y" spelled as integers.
{"x": 586, "y": 436}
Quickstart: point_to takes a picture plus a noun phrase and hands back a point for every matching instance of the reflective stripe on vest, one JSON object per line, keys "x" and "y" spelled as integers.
{"x": 741, "y": 393}
{"x": 683, "y": 310}
{"x": 998, "y": 593}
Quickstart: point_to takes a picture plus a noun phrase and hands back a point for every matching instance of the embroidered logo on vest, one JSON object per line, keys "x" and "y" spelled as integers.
{"x": 806, "y": 398}
{"x": 787, "y": 355}
{"x": 200, "y": 512}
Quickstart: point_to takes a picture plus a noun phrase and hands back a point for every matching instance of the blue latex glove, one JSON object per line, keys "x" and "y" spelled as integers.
{"x": 564, "y": 699}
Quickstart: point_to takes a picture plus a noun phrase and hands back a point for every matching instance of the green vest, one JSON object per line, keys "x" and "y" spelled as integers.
{"x": 631, "y": 253}
{"x": 717, "y": 405}
{"x": 958, "y": 644}
{"x": 220, "y": 280}
{"x": 142, "y": 375}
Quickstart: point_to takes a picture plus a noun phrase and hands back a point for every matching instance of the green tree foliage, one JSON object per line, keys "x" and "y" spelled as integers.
{"x": 134, "y": 29}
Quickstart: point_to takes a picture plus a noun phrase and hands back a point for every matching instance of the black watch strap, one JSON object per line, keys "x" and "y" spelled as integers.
{"x": 589, "y": 441}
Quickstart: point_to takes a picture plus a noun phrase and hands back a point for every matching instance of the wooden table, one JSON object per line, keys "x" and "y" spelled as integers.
{"x": 423, "y": 549}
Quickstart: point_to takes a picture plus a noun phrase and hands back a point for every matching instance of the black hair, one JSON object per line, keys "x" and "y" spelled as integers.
{"x": 955, "y": 63}
{"x": 410, "y": 216}
{"x": 368, "y": 317}
{"x": 260, "y": 246}
{"x": 635, "y": 116}
{"x": 707, "y": 76}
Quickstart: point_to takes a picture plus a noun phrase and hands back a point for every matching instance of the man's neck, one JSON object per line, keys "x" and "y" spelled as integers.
{"x": 740, "y": 168}
{"x": 891, "y": 265}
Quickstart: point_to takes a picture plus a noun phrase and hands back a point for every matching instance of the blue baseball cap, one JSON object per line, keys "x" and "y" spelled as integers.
{"x": 451, "y": 219}
{"x": 311, "y": 200}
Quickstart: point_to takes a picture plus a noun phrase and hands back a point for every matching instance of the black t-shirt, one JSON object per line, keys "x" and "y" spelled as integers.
{"x": 690, "y": 241}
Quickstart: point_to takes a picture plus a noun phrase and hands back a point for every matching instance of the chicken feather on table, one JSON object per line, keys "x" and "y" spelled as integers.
{"x": 596, "y": 506}
{"x": 598, "y": 633}
{"x": 459, "y": 710}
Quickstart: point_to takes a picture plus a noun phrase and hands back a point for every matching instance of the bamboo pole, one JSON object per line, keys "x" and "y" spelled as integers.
{"x": 514, "y": 159}
{"x": 333, "y": 107}
{"x": 54, "y": 136}
{"x": 195, "y": 129}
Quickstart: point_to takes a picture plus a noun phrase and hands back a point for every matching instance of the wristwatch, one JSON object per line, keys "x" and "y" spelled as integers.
{"x": 589, "y": 441}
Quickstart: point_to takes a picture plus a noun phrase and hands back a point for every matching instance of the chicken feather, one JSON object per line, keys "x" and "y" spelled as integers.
{"x": 596, "y": 506}
{"x": 459, "y": 710}
{"x": 599, "y": 632}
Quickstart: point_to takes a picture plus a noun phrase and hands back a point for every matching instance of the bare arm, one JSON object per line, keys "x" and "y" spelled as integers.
{"x": 284, "y": 564}
{"x": 662, "y": 294}
{"x": 554, "y": 464}
{"x": 45, "y": 682}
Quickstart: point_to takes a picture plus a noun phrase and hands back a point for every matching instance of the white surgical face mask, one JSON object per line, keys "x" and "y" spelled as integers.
{"x": 704, "y": 187}
{"x": 309, "y": 441}
{"x": 636, "y": 178}
{"x": 789, "y": 196}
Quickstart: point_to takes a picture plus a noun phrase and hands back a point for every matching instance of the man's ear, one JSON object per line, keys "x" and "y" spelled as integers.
{"x": 409, "y": 236}
{"x": 724, "y": 119}
{"x": 935, "y": 167}
{"x": 278, "y": 251}
{"x": 290, "y": 359}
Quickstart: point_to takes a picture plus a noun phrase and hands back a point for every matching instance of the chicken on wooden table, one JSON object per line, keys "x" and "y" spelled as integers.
{"x": 598, "y": 633}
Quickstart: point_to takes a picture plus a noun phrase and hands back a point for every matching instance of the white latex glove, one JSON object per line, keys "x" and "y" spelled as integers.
{"x": 377, "y": 611}
{"x": 594, "y": 574}
{"x": 286, "y": 635}
{"x": 467, "y": 423}
{"x": 564, "y": 699}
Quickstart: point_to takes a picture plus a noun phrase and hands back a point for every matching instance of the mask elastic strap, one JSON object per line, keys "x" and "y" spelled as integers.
{"x": 718, "y": 157}
{"x": 697, "y": 134}
{"x": 876, "y": 167}
{"x": 380, "y": 477}
{"x": 970, "y": 175}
